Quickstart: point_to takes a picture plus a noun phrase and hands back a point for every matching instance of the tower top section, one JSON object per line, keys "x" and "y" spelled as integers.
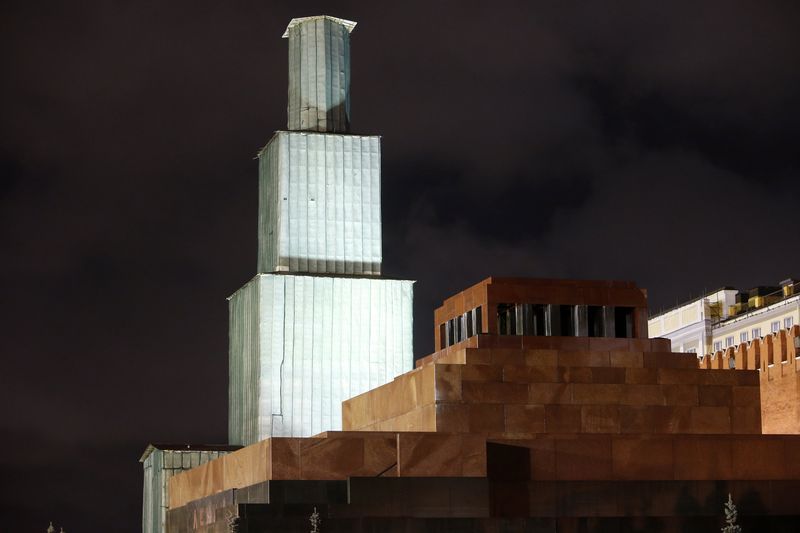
{"x": 319, "y": 74}
{"x": 349, "y": 24}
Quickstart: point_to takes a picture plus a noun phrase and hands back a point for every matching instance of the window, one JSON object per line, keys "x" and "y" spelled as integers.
{"x": 729, "y": 341}
{"x": 743, "y": 336}
{"x": 538, "y": 312}
{"x": 530, "y": 319}
{"x": 567, "y": 320}
{"x": 623, "y": 322}
{"x": 461, "y": 328}
{"x": 775, "y": 326}
{"x": 756, "y": 333}
{"x": 718, "y": 346}
{"x": 450, "y": 328}
{"x": 506, "y": 319}
{"x": 788, "y": 321}
{"x": 596, "y": 316}
{"x": 691, "y": 350}
{"x": 478, "y": 318}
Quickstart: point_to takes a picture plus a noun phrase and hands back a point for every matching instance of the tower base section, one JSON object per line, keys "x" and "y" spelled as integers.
{"x": 302, "y": 344}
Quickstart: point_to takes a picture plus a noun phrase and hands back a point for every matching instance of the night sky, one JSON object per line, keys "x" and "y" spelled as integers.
{"x": 655, "y": 142}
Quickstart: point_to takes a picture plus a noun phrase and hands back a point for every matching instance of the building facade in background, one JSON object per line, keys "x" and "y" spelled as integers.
{"x": 728, "y": 317}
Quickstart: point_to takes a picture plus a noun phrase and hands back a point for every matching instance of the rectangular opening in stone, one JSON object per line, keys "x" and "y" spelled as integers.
{"x": 566, "y": 320}
{"x": 596, "y": 320}
{"x": 531, "y": 319}
{"x": 451, "y": 338}
{"x": 478, "y": 318}
{"x": 623, "y": 322}
{"x": 506, "y": 319}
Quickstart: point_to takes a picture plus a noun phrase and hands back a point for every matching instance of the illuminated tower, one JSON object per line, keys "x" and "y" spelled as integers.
{"x": 317, "y": 324}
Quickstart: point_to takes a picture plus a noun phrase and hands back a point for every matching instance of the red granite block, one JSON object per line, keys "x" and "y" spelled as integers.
{"x": 642, "y": 458}
{"x": 478, "y": 356}
{"x": 629, "y": 296}
{"x": 524, "y": 419}
{"x": 670, "y": 360}
{"x": 660, "y": 345}
{"x": 555, "y": 343}
{"x": 703, "y": 458}
{"x": 591, "y": 393}
{"x": 333, "y": 458}
{"x": 643, "y": 345}
{"x": 502, "y": 356}
{"x": 671, "y": 419}
{"x": 531, "y": 374}
{"x": 486, "y": 418}
{"x": 448, "y": 382}
{"x": 492, "y": 392}
{"x": 746, "y": 396}
{"x": 541, "y": 357}
{"x": 481, "y": 373}
{"x": 626, "y": 359}
{"x": 608, "y": 375}
{"x": 575, "y": 374}
{"x": 681, "y": 394}
{"x": 715, "y": 395}
{"x": 437, "y": 455}
{"x": 746, "y": 419}
{"x": 549, "y": 393}
{"x": 452, "y": 417}
{"x": 562, "y": 418}
{"x": 285, "y": 458}
{"x": 680, "y": 376}
{"x": 570, "y": 343}
{"x": 711, "y": 419}
{"x": 635, "y": 419}
{"x": 600, "y": 419}
{"x": 595, "y": 296}
{"x": 606, "y": 344}
{"x": 583, "y": 458}
{"x": 641, "y": 376}
{"x": 473, "y": 456}
{"x": 791, "y": 459}
{"x": 499, "y": 341}
{"x": 760, "y": 458}
{"x": 583, "y": 358}
{"x": 642, "y": 395}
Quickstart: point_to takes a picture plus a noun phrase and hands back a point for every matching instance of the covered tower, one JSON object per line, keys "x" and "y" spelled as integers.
{"x": 317, "y": 325}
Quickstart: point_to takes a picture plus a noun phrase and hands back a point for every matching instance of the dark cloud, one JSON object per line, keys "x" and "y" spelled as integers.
{"x": 645, "y": 141}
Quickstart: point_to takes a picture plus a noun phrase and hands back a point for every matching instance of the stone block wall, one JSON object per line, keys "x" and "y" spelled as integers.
{"x": 776, "y": 357}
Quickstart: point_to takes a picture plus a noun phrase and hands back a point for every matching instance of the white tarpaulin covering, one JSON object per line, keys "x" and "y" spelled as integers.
{"x": 320, "y": 204}
{"x": 319, "y": 74}
{"x": 317, "y": 325}
{"x": 160, "y": 465}
{"x": 300, "y": 345}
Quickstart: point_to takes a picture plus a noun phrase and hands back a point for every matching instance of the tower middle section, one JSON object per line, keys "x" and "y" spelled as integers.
{"x": 320, "y": 204}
